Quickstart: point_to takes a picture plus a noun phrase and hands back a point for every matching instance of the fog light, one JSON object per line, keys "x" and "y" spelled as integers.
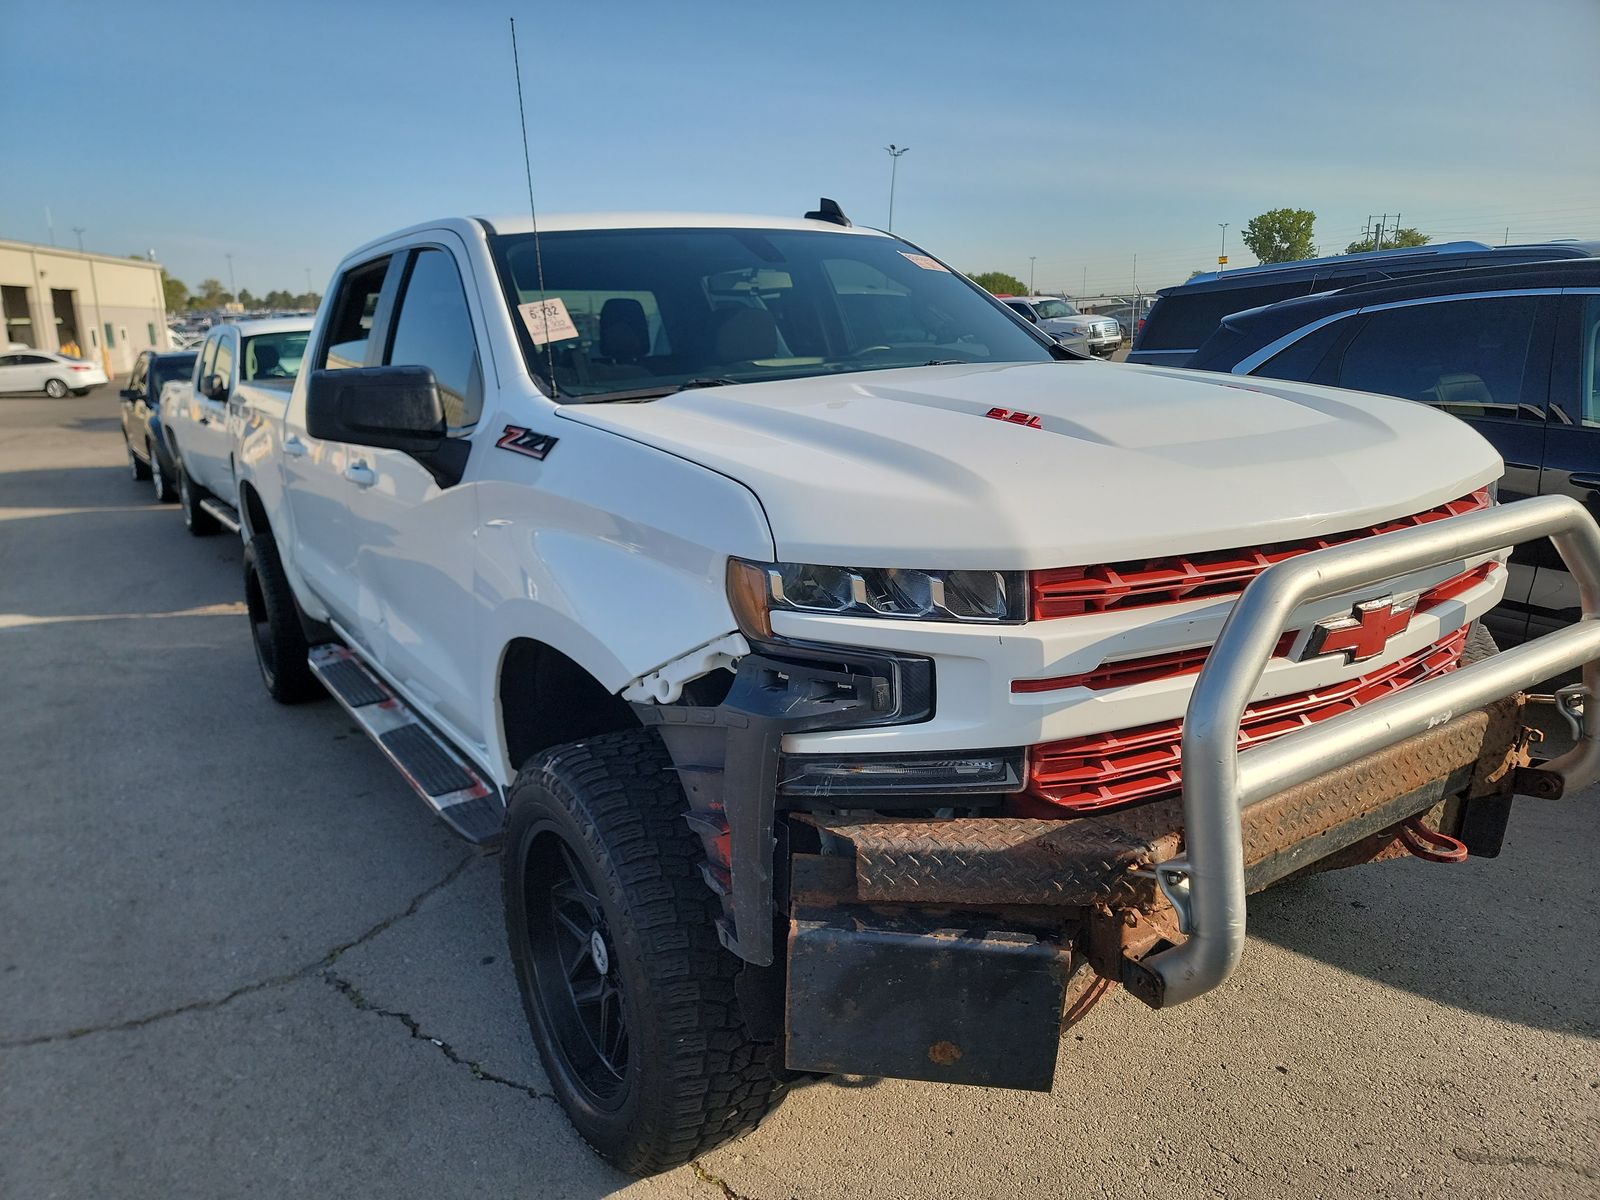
{"x": 933, "y": 773}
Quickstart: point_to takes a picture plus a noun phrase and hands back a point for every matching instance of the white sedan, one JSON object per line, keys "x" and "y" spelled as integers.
{"x": 53, "y": 374}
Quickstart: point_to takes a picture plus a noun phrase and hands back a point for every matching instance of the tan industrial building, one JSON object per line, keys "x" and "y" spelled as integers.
{"x": 91, "y": 305}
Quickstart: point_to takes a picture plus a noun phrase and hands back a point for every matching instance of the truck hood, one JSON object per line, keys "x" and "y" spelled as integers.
{"x": 1070, "y": 324}
{"x": 911, "y": 468}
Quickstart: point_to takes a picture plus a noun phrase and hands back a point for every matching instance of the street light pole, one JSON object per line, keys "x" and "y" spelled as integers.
{"x": 231, "y": 286}
{"x": 894, "y": 167}
{"x": 79, "y": 230}
{"x": 94, "y": 291}
{"x": 1222, "y": 258}
{"x": 1031, "y": 258}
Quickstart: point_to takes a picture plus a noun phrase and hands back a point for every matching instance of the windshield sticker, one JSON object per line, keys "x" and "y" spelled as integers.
{"x": 547, "y": 321}
{"x": 926, "y": 263}
{"x": 520, "y": 440}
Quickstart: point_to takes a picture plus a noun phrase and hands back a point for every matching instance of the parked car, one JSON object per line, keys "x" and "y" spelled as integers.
{"x": 242, "y": 374}
{"x": 1510, "y": 350}
{"x": 53, "y": 374}
{"x": 1185, "y": 316}
{"x": 146, "y": 444}
{"x": 838, "y": 666}
{"x": 1057, "y": 317}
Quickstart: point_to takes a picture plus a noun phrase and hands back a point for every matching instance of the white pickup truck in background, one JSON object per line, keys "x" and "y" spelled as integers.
{"x": 848, "y": 672}
{"x": 242, "y": 376}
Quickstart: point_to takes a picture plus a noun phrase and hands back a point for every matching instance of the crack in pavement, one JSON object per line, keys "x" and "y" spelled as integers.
{"x": 260, "y": 985}
{"x": 353, "y": 994}
{"x": 716, "y": 1181}
{"x": 1479, "y": 1158}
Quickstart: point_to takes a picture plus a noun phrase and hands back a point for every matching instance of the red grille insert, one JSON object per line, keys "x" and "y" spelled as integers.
{"x": 1105, "y": 769}
{"x": 1167, "y": 665}
{"x": 1072, "y": 591}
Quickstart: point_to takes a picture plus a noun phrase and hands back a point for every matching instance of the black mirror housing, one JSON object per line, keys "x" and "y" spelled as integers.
{"x": 213, "y": 388}
{"x": 391, "y": 408}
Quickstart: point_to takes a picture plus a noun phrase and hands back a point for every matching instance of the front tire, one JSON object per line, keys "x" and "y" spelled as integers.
{"x": 158, "y": 477}
{"x": 612, "y": 933}
{"x": 195, "y": 519}
{"x": 275, "y": 629}
{"x": 55, "y": 388}
{"x": 137, "y": 470}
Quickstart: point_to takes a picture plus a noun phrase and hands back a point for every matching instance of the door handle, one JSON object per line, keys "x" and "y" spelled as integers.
{"x": 360, "y": 474}
{"x": 203, "y": 421}
{"x": 1589, "y": 483}
{"x": 294, "y": 447}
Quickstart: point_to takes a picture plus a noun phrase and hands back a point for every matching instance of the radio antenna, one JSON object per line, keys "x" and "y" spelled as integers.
{"x": 533, "y": 213}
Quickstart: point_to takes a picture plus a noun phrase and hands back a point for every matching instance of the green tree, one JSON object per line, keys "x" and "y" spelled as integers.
{"x": 1393, "y": 239}
{"x": 1280, "y": 235}
{"x": 175, "y": 291}
{"x": 212, "y": 294}
{"x": 246, "y": 299}
{"x": 1000, "y": 283}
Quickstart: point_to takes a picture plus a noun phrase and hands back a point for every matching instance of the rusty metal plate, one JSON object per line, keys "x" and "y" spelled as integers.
{"x": 1083, "y": 861}
{"x": 988, "y": 860}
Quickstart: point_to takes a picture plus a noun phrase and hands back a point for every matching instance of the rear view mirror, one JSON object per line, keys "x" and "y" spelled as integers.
{"x": 392, "y": 408}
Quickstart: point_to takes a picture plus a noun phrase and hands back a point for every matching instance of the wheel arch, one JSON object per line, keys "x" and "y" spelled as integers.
{"x": 544, "y": 698}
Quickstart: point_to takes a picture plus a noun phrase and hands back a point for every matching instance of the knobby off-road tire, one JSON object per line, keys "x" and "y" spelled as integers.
{"x": 275, "y": 629}
{"x": 195, "y": 519}
{"x": 595, "y": 845}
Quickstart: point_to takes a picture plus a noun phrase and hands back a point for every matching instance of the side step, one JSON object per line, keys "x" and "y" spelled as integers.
{"x": 469, "y": 804}
{"x": 227, "y": 516}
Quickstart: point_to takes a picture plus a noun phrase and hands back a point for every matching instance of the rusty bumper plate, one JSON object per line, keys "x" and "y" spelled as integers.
{"x": 1084, "y": 861}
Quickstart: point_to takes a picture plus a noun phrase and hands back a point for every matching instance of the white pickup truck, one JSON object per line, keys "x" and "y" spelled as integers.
{"x": 851, "y": 682}
{"x": 242, "y": 376}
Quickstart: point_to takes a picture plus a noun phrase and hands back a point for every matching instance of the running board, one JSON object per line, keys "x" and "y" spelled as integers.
{"x": 469, "y": 804}
{"x": 227, "y": 516}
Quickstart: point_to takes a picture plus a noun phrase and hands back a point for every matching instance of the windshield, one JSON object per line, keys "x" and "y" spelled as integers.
{"x": 1054, "y": 308}
{"x": 274, "y": 355}
{"x": 655, "y": 310}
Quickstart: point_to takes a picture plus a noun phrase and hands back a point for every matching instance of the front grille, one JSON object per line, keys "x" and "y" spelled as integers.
{"x": 1104, "y": 770}
{"x": 1177, "y": 663}
{"x": 1073, "y": 591}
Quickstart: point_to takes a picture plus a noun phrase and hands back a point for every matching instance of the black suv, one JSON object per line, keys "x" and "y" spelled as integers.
{"x": 1513, "y": 351}
{"x": 1185, "y": 316}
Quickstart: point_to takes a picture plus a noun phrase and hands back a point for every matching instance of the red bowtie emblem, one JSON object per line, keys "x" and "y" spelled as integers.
{"x": 1363, "y": 634}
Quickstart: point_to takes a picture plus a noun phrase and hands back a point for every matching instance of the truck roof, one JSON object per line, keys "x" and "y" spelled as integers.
{"x": 268, "y": 325}
{"x": 563, "y": 222}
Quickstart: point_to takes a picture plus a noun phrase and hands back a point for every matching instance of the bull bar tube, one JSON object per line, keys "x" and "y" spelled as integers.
{"x": 1206, "y": 884}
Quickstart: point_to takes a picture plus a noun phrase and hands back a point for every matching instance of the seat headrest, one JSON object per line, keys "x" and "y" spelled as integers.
{"x": 746, "y": 335}
{"x": 624, "y": 331}
{"x": 266, "y": 359}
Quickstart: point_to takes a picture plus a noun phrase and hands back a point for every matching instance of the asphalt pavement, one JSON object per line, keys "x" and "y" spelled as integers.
{"x": 237, "y": 958}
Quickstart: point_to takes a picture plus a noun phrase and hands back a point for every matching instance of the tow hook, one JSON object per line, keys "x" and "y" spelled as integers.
{"x": 1430, "y": 844}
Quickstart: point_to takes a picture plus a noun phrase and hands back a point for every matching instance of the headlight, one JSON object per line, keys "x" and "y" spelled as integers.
{"x": 755, "y": 590}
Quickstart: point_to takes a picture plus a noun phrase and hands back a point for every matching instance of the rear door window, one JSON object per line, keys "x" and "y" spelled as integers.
{"x": 1467, "y": 357}
{"x": 350, "y": 325}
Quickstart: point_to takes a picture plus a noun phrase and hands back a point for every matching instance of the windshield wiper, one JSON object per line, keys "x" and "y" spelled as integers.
{"x": 656, "y": 393}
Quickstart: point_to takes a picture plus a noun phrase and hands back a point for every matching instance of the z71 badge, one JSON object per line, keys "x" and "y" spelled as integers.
{"x": 525, "y": 441}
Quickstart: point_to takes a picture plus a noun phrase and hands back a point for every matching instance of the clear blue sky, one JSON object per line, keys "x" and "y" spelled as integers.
{"x": 1081, "y": 133}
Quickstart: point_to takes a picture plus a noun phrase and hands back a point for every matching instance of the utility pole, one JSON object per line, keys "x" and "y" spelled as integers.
{"x": 1085, "y": 290}
{"x": 79, "y": 230}
{"x": 1222, "y": 258}
{"x": 231, "y": 286}
{"x": 894, "y": 168}
{"x": 1031, "y": 258}
{"x": 50, "y": 224}
{"x": 1507, "y": 239}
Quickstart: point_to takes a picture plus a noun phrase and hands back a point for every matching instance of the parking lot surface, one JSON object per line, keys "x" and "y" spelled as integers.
{"x": 237, "y": 958}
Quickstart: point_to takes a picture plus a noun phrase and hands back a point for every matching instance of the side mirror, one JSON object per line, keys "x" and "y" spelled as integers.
{"x": 129, "y": 394}
{"x": 214, "y": 388}
{"x": 392, "y": 408}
